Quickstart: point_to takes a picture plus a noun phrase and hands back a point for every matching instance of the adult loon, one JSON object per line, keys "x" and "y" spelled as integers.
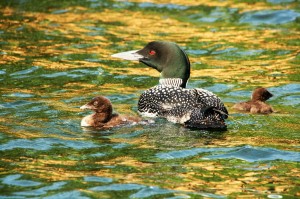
{"x": 257, "y": 103}
{"x": 104, "y": 117}
{"x": 194, "y": 108}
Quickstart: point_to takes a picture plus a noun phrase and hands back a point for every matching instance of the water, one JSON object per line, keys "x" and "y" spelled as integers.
{"x": 55, "y": 56}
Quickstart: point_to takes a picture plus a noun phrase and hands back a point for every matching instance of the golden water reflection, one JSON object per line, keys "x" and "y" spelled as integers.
{"x": 72, "y": 25}
{"x": 120, "y": 29}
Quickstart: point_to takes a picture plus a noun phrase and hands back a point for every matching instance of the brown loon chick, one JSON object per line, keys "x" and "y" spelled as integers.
{"x": 257, "y": 103}
{"x": 104, "y": 116}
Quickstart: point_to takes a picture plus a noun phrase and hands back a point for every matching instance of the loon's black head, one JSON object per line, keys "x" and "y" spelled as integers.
{"x": 166, "y": 57}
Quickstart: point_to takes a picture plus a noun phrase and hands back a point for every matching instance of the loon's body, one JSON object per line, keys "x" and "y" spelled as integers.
{"x": 195, "y": 108}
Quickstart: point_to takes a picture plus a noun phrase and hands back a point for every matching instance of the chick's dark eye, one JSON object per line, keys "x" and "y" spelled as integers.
{"x": 152, "y": 52}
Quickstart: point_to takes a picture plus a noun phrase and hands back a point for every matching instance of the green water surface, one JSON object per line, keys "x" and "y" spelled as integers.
{"x": 55, "y": 56}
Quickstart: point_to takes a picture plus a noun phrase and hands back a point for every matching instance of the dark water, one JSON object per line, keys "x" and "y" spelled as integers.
{"x": 55, "y": 56}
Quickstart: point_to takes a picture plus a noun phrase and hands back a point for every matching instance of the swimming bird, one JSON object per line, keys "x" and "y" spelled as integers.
{"x": 257, "y": 104}
{"x": 194, "y": 108}
{"x": 104, "y": 117}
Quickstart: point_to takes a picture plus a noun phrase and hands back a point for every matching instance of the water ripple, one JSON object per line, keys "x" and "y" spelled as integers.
{"x": 117, "y": 187}
{"x": 151, "y": 191}
{"x": 293, "y": 100}
{"x": 197, "y": 51}
{"x": 43, "y": 190}
{"x": 67, "y": 195}
{"x": 167, "y": 6}
{"x": 280, "y": 1}
{"x": 15, "y": 104}
{"x": 45, "y": 144}
{"x": 269, "y": 17}
{"x": 60, "y": 11}
{"x": 220, "y": 88}
{"x": 14, "y": 181}
{"x": 285, "y": 89}
{"x": 188, "y": 153}
{"x": 254, "y": 154}
{"x": 19, "y": 94}
{"x": 25, "y": 72}
{"x": 97, "y": 179}
{"x": 247, "y": 153}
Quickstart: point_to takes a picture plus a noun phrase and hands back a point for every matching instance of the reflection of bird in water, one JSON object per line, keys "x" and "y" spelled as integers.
{"x": 257, "y": 103}
{"x": 168, "y": 136}
{"x": 195, "y": 108}
{"x": 104, "y": 116}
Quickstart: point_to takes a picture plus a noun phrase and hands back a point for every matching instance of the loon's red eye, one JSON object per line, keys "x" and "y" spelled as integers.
{"x": 152, "y": 52}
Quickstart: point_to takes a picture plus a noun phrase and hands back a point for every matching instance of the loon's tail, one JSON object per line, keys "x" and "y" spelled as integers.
{"x": 208, "y": 118}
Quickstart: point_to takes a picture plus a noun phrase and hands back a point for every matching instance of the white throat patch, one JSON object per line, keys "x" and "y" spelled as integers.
{"x": 175, "y": 82}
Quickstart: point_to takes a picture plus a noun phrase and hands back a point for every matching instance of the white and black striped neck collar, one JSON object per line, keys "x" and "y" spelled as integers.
{"x": 175, "y": 82}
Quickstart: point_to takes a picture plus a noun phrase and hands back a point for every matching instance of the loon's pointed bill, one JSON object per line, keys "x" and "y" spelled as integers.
{"x": 85, "y": 107}
{"x": 129, "y": 55}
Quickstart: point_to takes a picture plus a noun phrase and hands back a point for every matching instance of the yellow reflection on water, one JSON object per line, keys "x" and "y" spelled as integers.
{"x": 243, "y": 6}
{"x": 145, "y": 27}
